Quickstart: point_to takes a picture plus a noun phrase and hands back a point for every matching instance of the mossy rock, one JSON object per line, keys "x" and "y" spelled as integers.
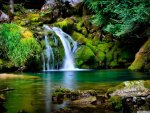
{"x": 80, "y": 38}
{"x": 111, "y": 90}
{"x": 110, "y": 54}
{"x": 101, "y": 56}
{"x": 108, "y": 38}
{"x": 84, "y": 31}
{"x": 114, "y": 64}
{"x": 116, "y": 103}
{"x": 83, "y": 54}
{"x": 33, "y": 17}
{"x": 105, "y": 47}
{"x": 92, "y": 47}
{"x": 78, "y": 26}
{"x": 65, "y": 24}
{"x": 147, "y": 84}
{"x": 95, "y": 40}
{"x": 26, "y": 33}
{"x": 141, "y": 57}
{"x": 130, "y": 88}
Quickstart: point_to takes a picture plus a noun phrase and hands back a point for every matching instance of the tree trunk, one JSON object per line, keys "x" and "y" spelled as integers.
{"x": 11, "y": 10}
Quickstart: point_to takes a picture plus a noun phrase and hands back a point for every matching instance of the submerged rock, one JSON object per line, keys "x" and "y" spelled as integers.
{"x": 84, "y": 101}
{"x": 12, "y": 76}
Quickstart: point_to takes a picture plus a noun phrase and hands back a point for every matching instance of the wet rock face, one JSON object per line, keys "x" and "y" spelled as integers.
{"x": 62, "y": 8}
{"x": 3, "y": 17}
{"x": 71, "y": 2}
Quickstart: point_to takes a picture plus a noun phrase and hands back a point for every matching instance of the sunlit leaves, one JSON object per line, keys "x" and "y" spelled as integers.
{"x": 15, "y": 48}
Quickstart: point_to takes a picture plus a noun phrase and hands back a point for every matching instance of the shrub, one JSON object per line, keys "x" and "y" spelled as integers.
{"x": 15, "y": 48}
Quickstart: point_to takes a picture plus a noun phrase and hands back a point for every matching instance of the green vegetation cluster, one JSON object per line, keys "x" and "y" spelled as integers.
{"x": 98, "y": 46}
{"x": 120, "y": 17}
{"x": 17, "y": 45}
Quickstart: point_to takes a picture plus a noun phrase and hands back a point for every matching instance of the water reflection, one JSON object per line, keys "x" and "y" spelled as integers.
{"x": 34, "y": 95}
{"x": 69, "y": 80}
{"x": 47, "y": 86}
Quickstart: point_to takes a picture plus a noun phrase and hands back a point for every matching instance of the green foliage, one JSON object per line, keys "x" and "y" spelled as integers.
{"x": 15, "y": 48}
{"x": 116, "y": 102}
{"x": 43, "y": 13}
{"x": 83, "y": 55}
{"x": 119, "y": 17}
{"x": 17, "y": 7}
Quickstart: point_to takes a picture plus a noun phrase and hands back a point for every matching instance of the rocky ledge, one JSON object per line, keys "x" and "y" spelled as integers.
{"x": 127, "y": 97}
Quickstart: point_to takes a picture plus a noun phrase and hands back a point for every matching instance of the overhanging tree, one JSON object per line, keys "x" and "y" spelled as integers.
{"x": 120, "y": 17}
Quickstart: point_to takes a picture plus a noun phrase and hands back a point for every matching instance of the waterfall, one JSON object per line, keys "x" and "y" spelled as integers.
{"x": 48, "y": 55}
{"x": 68, "y": 62}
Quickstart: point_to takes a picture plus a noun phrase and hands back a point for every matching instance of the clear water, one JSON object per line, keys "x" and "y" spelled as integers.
{"x": 34, "y": 95}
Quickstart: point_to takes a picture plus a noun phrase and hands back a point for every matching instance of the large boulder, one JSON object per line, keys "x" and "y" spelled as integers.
{"x": 142, "y": 58}
{"x": 84, "y": 55}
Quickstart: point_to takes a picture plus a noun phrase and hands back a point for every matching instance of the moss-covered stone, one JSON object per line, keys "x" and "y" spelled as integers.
{"x": 141, "y": 57}
{"x": 80, "y": 38}
{"x": 107, "y": 38}
{"x": 105, "y": 47}
{"x": 130, "y": 88}
{"x": 84, "y": 54}
{"x": 110, "y": 54}
{"x": 147, "y": 84}
{"x": 101, "y": 56}
{"x": 116, "y": 103}
{"x": 111, "y": 90}
{"x": 114, "y": 64}
{"x": 79, "y": 25}
{"x": 65, "y": 24}
{"x": 26, "y": 33}
{"x": 33, "y": 17}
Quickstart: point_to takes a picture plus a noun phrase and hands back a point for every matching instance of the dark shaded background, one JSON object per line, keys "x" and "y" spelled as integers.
{"x": 30, "y": 4}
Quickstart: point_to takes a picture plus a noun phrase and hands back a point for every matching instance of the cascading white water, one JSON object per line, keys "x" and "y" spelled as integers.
{"x": 68, "y": 63}
{"x": 48, "y": 56}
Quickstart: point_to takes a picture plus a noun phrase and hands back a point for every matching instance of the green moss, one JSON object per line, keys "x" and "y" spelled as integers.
{"x": 84, "y": 31}
{"x": 44, "y": 13}
{"x": 79, "y": 25}
{"x": 95, "y": 40}
{"x": 33, "y": 17}
{"x": 93, "y": 48}
{"x": 83, "y": 54}
{"x": 140, "y": 58}
{"x": 101, "y": 56}
{"x": 110, "y": 54}
{"x": 111, "y": 90}
{"x": 80, "y": 38}
{"x": 113, "y": 64}
{"x": 116, "y": 102}
{"x": 65, "y": 24}
{"x": 147, "y": 84}
{"x": 105, "y": 47}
